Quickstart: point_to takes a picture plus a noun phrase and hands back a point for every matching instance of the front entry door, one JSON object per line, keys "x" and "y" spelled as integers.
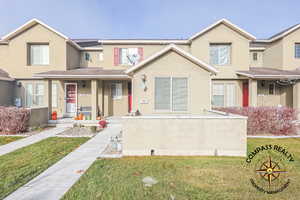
{"x": 71, "y": 99}
{"x": 245, "y": 94}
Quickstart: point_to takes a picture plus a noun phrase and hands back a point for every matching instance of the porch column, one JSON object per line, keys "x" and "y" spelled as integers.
{"x": 296, "y": 95}
{"x": 48, "y": 95}
{"x": 253, "y": 92}
{"x": 94, "y": 99}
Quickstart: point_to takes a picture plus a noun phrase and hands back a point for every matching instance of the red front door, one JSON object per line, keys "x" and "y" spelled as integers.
{"x": 129, "y": 98}
{"x": 245, "y": 94}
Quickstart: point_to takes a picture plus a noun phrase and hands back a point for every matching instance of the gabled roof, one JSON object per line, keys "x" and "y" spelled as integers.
{"x": 227, "y": 23}
{"x": 173, "y": 47}
{"x": 30, "y": 24}
{"x": 281, "y": 34}
{"x": 284, "y": 32}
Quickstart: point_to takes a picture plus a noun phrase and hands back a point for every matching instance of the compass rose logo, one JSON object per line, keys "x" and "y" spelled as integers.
{"x": 270, "y": 171}
{"x": 271, "y": 168}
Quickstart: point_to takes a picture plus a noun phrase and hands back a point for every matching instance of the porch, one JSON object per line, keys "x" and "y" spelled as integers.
{"x": 272, "y": 87}
{"x": 88, "y": 92}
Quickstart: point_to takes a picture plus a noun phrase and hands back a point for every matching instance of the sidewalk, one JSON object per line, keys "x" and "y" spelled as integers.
{"x": 7, "y": 148}
{"x": 53, "y": 183}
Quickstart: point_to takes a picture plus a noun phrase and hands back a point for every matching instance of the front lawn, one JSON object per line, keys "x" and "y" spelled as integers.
{"x": 22, "y": 165}
{"x": 181, "y": 177}
{"x": 8, "y": 139}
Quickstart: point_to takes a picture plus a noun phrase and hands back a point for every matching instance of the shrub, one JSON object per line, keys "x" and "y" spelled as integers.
{"x": 13, "y": 120}
{"x": 272, "y": 120}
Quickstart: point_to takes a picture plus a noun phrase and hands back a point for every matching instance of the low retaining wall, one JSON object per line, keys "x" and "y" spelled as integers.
{"x": 222, "y": 135}
{"x": 38, "y": 117}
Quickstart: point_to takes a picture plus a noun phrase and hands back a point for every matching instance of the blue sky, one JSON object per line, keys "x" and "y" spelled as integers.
{"x": 149, "y": 18}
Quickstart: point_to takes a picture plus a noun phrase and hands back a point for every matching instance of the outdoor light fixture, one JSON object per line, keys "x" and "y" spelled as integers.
{"x": 19, "y": 84}
{"x": 144, "y": 78}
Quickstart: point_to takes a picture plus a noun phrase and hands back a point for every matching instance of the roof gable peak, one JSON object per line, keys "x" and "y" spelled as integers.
{"x": 28, "y": 25}
{"x": 227, "y": 23}
{"x": 176, "y": 49}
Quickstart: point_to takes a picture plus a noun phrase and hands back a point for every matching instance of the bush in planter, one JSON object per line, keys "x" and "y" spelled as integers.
{"x": 13, "y": 120}
{"x": 272, "y": 120}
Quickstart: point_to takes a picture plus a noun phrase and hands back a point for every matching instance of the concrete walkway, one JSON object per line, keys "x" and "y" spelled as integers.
{"x": 53, "y": 183}
{"x": 7, "y": 148}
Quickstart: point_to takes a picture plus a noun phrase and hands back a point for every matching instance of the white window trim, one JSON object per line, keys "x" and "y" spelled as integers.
{"x": 225, "y": 103}
{"x": 230, "y": 52}
{"x": 30, "y": 54}
{"x": 34, "y": 94}
{"x": 171, "y": 95}
{"x": 120, "y": 56}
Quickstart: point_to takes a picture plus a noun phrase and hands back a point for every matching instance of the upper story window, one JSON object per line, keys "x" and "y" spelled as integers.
{"x": 127, "y": 56}
{"x": 38, "y": 54}
{"x": 254, "y": 56}
{"x": 220, "y": 54}
{"x": 297, "y": 50}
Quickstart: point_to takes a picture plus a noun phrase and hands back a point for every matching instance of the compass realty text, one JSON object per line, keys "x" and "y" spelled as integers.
{"x": 269, "y": 147}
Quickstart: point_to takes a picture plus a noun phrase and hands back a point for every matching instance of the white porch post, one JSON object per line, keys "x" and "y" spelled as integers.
{"x": 48, "y": 99}
{"x": 94, "y": 99}
{"x": 296, "y": 95}
{"x": 253, "y": 92}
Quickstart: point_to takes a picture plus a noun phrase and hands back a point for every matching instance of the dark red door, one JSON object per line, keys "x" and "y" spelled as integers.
{"x": 245, "y": 94}
{"x": 129, "y": 98}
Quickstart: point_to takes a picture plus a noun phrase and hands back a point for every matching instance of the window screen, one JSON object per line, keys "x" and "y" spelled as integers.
{"x": 297, "y": 50}
{"x": 218, "y": 95}
{"x": 220, "y": 54}
{"x": 39, "y": 54}
{"x": 162, "y": 93}
{"x": 179, "y": 94}
{"x": 116, "y": 90}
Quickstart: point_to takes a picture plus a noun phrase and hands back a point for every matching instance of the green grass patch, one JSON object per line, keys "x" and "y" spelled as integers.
{"x": 8, "y": 139}
{"x": 185, "y": 178}
{"x": 22, "y": 165}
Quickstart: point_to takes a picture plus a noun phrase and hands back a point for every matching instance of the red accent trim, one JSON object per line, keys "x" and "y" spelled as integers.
{"x": 245, "y": 94}
{"x": 129, "y": 102}
{"x": 116, "y": 56}
{"x": 141, "y": 53}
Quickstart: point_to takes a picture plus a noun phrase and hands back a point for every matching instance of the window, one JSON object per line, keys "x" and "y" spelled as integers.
{"x": 39, "y": 54}
{"x": 54, "y": 95}
{"x": 116, "y": 90}
{"x": 129, "y": 56}
{"x": 220, "y": 54}
{"x": 271, "y": 88}
{"x": 171, "y": 94}
{"x": 297, "y": 50}
{"x": 34, "y": 93}
{"x": 254, "y": 55}
{"x": 87, "y": 56}
{"x": 218, "y": 95}
{"x": 223, "y": 95}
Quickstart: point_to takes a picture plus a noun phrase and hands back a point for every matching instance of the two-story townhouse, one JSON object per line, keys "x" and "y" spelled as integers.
{"x": 218, "y": 66}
